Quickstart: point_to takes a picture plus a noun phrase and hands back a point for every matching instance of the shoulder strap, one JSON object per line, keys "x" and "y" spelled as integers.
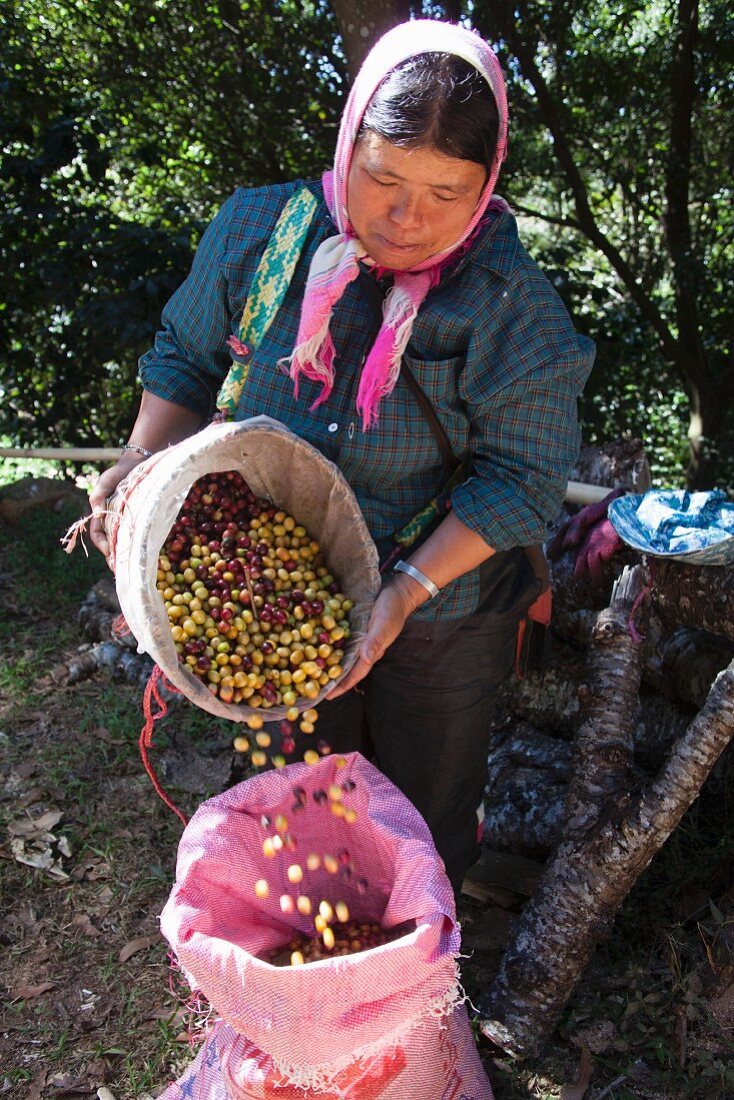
{"x": 271, "y": 280}
{"x": 426, "y": 407}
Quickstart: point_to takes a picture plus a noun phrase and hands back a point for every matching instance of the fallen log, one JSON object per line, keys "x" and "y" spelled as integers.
{"x": 529, "y": 767}
{"x": 610, "y": 842}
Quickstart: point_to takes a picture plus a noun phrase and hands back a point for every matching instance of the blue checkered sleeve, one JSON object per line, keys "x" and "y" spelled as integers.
{"x": 521, "y": 387}
{"x": 492, "y": 347}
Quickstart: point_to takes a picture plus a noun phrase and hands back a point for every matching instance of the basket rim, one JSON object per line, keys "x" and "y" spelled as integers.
{"x": 622, "y": 514}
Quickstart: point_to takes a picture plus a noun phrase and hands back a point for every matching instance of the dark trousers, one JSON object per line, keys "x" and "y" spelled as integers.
{"x": 423, "y": 713}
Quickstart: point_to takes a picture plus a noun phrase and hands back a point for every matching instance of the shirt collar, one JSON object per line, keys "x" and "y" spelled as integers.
{"x": 495, "y": 247}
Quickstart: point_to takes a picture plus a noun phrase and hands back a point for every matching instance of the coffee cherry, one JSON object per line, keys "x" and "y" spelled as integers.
{"x": 254, "y": 610}
{"x": 346, "y": 937}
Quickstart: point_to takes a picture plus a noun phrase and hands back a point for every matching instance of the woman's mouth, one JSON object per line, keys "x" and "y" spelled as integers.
{"x": 396, "y": 246}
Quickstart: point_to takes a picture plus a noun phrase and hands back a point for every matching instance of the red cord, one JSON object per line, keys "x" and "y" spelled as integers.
{"x": 152, "y": 692}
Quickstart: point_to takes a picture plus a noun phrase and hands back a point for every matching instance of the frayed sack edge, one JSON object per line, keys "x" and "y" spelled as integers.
{"x": 321, "y": 1077}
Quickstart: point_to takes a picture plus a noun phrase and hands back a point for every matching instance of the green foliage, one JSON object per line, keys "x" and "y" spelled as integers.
{"x": 124, "y": 125}
{"x": 66, "y": 577}
{"x": 609, "y": 73}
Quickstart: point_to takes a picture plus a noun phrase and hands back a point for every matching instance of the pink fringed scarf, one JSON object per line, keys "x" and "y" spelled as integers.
{"x": 336, "y": 261}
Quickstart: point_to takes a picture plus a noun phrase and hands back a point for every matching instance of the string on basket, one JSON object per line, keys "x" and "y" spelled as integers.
{"x": 645, "y": 591}
{"x": 153, "y": 695}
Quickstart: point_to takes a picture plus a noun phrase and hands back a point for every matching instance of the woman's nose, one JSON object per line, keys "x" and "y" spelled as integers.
{"x": 406, "y": 210}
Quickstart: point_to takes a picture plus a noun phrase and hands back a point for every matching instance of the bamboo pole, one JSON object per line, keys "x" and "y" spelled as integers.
{"x": 63, "y": 454}
{"x": 578, "y": 492}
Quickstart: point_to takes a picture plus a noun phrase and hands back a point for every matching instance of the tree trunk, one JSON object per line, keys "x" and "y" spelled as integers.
{"x": 529, "y": 768}
{"x": 362, "y": 22}
{"x": 681, "y": 343}
{"x": 607, "y": 849}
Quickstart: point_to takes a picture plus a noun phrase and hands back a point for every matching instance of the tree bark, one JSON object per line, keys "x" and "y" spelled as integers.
{"x": 698, "y": 597}
{"x": 597, "y": 865}
{"x": 604, "y": 744}
{"x": 362, "y": 22}
{"x": 619, "y": 464}
{"x": 529, "y": 767}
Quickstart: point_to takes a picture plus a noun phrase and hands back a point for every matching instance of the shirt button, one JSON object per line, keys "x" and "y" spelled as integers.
{"x": 333, "y": 427}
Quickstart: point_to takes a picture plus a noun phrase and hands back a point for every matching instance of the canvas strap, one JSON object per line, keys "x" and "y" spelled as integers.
{"x": 268, "y": 288}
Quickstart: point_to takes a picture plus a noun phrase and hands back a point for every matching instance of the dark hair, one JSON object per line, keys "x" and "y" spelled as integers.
{"x": 436, "y": 99}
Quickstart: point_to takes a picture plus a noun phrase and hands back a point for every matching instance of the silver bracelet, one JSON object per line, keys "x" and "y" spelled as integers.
{"x": 139, "y": 450}
{"x": 403, "y": 567}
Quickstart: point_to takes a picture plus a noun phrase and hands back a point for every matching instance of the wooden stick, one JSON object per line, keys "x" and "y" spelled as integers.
{"x": 63, "y": 454}
{"x": 578, "y": 492}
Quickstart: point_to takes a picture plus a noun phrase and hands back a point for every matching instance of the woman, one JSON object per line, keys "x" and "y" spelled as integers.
{"x": 411, "y": 261}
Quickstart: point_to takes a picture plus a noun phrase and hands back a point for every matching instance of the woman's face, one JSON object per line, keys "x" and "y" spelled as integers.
{"x": 408, "y": 204}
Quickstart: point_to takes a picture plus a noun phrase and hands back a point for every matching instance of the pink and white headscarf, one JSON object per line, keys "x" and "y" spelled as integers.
{"x": 336, "y": 261}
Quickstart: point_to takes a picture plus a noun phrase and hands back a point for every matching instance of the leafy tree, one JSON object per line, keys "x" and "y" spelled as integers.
{"x": 124, "y": 125}
{"x": 623, "y": 142}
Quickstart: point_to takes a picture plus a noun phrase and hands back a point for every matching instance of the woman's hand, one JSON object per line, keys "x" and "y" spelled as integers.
{"x": 158, "y": 424}
{"x": 452, "y": 550}
{"x": 392, "y": 607}
{"x": 103, "y": 488}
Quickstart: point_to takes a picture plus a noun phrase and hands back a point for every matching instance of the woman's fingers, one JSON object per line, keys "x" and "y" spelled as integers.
{"x": 386, "y": 622}
{"x": 101, "y": 491}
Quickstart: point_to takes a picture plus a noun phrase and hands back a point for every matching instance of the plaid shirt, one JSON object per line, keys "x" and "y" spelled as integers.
{"x": 492, "y": 346}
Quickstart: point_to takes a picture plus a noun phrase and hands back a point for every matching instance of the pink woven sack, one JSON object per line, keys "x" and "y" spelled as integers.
{"x": 386, "y": 1022}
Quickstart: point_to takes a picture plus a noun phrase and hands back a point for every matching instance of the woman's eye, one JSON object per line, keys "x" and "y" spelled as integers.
{"x": 445, "y": 198}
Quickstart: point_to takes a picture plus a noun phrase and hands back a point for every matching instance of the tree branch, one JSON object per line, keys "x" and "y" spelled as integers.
{"x": 567, "y": 223}
{"x": 551, "y": 113}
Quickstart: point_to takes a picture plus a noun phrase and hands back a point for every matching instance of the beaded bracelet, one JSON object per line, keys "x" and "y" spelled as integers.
{"x": 139, "y": 450}
{"x": 403, "y": 567}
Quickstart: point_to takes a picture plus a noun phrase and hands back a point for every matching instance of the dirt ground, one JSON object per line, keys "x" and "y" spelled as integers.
{"x": 87, "y": 855}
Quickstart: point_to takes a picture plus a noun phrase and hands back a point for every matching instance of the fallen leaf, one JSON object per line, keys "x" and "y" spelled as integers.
{"x": 90, "y": 866}
{"x": 85, "y": 926}
{"x": 722, "y": 1006}
{"x": 33, "y": 857}
{"x": 176, "y": 1014}
{"x": 577, "y": 1089}
{"x": 100, "y": 870}
{"x": 135, "y": 945}
{"x": 35, "y": 794}
{"x": 66, "y": 1084}
{"x": 36, "y": 1086}
{"x": 27, "y": 992}
{"x": 63, "y": 845}
{"x": 598, "y": 1036}
{"x": 35, "y": 826}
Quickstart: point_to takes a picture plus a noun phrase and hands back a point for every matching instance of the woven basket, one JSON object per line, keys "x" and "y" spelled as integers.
{"x": 276, "y": 464}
